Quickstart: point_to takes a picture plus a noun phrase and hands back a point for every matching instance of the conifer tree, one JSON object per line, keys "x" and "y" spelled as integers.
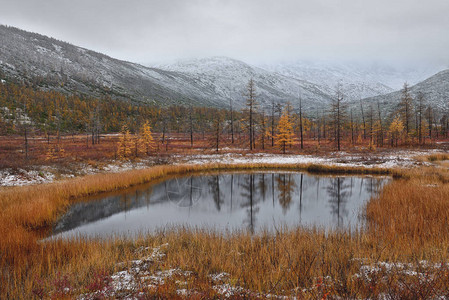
{"x": 301, "y": 125}
{"x": 146, "y": 137}
{"x": 217, "y": 131}
{"x": 251, "y": 105}
{"x": 124, "y": 144}
{"x": 380, "y": 128}
{"x": 405, "y": 108}
{"x": 338, "y": 110}
{"x": 396, "y": 128}
{"x": 285, "y": 136}
{"x": 263, "y": 130}
{"x": 420, "y": 113}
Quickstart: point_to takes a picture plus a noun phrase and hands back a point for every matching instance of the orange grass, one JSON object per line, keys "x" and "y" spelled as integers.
{"x": 414, "y": 211}
{"x": 407, "y": 222}
{"x": 78, "y": 148}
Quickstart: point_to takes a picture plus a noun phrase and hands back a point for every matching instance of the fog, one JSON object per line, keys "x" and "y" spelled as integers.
{"x": 256, "y": 31}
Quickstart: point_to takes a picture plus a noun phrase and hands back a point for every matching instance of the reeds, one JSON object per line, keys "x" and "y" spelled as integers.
{"x": 407, "y": 223}
{"x": 414, "y": 211}
{"x": 438, "y": 156}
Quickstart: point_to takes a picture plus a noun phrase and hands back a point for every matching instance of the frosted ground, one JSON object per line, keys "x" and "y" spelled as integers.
{"x": 385, "y": 159}
{"x": 135, "y": 276}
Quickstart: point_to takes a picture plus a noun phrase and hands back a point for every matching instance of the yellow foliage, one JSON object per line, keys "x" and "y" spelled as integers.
{"x": 146, "y": 138}
{"x": 285, "y": 136}
{"x": 54, "y": 151}
{"x": 124, "y": 144}
{"x": 396, "y": 128}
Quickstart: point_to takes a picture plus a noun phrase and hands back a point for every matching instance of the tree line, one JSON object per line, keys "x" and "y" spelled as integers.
{"x": 25, "y": 110}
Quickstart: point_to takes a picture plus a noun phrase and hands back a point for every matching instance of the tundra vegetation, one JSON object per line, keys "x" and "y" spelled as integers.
{"x": 402, "y": 254}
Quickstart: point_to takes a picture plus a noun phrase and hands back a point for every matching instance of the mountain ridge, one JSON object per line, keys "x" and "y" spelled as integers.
{"x": 51, "y": 64}
{"x": 435, "y": 90}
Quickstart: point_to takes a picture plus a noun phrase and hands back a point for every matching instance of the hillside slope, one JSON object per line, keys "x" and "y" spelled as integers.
{"x": 55, "y": 65}
{"x": 435, "y": 90}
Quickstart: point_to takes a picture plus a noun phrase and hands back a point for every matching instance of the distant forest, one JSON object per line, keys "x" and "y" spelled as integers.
{"x": 26, "y": 110}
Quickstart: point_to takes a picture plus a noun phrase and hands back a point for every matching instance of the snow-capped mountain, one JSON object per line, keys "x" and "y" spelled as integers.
{"x": 435, "y": 90}
{"x": 54, "y": 65}
{"x": 357, "y": 80}
{"x": 227, "y": 78}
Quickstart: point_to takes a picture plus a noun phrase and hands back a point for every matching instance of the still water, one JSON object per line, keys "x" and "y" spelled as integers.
{"x": 254, "y": 202}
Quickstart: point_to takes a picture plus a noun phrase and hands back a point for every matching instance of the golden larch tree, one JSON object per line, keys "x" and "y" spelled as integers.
{"x": 146, "y": 137}
{"x": 124, "y": 144}
{"x": 285, "y": 136}
{"x": 396, "y": 129}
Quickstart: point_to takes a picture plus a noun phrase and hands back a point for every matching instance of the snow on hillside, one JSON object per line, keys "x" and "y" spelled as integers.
{"x": 435, "y": 90}
{"x": 358, "y": 80}
{"x": 56, "y": 65}
{"x": 60, "y": 66}
{"x": 228, "y": 78}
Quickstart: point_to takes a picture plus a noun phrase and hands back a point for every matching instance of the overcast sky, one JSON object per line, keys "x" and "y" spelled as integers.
{"x": 256, "y": 31}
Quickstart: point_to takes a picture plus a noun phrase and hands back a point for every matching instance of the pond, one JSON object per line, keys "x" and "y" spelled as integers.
{"x": 226, "y": 202}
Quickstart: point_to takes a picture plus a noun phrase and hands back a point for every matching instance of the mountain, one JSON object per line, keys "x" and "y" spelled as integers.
{"x": 50, "y": 64}
{"x": 55, "y": 65}
{"x": 435, "y": 90}
{"x": 315, "y": 82}
{"x": 358, "y": 80}
{"x": 227, "y": 78}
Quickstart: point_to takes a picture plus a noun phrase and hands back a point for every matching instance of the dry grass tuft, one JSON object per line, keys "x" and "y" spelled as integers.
{"x": 407, "y": 223}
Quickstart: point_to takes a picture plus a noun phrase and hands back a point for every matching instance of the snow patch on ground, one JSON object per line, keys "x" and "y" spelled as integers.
{"x": 400, "y": 159}
{"x": 387, "y": 159}
{"x": 410, "y": 276}
{"x": 137, "y": 280}
{"x": 24, "y": 177}
{"x": 47, "y": 174}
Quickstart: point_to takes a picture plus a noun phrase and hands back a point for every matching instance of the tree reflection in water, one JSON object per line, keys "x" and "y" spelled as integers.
{"x": 214, "y": 185}
{"x": 338, "y": 191}
{"x": 228, "y": 200}
{"x": 249, "y": 201}
{"x": 285, "y": 186}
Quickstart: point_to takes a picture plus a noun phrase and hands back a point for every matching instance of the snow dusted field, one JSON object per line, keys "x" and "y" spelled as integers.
{"x": 137, "y": 275}
{"x": 389, "y": 159}
{"x": 401, "y": 159}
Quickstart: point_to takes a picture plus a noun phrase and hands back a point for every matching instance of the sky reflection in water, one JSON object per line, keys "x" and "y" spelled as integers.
{"x": 226, "y": 201}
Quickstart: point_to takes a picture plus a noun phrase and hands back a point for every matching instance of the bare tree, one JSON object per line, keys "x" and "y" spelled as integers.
{"x": 232, "y": 120}
{"x": 363, "y": 119}
{"x": 338, "y": 111}
{"x": 164, "y": 129}
{"x": 217, "y": 131}
{"x": 420, "y": 111}
{"x": 352, "y": 129}
{"x": 324, "y": 124}
{"x": 405, "y": 108}
{"x": 301, "y": 131}
{"x": 24, "y": 122}
{"x": 318, "y": 126}
{"x": 251, "y": 105}
{"x": 191, "y": 126}
{"x": 380, "y": 136}
{"x": 262, "y": 129}
{"x": 429, "y": 114}
{"x": 371, "y": 125}
{"x": 273, "y": 108}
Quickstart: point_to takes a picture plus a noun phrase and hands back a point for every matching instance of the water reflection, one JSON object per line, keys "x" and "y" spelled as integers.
{"x": 338, "y": 197}
{"x": 226, "y": 201}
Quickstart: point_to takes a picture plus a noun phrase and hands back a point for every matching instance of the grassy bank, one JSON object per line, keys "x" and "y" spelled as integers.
{"x": 407, "y": 223}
